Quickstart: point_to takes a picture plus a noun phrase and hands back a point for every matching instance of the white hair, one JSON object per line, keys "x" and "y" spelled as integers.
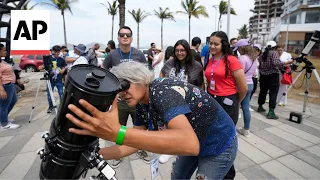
{"x": 134, "y": 72}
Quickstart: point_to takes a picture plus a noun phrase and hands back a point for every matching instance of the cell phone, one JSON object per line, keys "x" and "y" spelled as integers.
{"x": 228, "y": 101}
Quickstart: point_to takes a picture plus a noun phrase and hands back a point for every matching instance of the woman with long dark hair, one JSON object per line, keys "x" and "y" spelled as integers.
{"x": 169, "y": 53}
{"x": 269, "y": 78}
{"x": 8, "y": 97}
{"x": 183, "y": 66}
{"x": 226, "y": 79}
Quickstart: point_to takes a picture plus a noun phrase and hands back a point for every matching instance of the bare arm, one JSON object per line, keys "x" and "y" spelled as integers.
{"x": 161, "y": 74}
{"x": 106, "y": 126}
{"x": 117, "y": 152}
{"x": 159, "y": 60}
{"x": 70, "y": 59}
{"x": 241, "y": 83}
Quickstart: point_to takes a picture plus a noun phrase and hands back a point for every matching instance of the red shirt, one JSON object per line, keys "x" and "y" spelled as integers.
{"x": 223, "y": 86}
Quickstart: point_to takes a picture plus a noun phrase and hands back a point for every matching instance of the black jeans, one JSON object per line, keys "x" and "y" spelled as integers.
{"x": 124, "y": 110}
{"x": 269, "y": 83}
{"x": 233, "y": 112}
{"x": 255, "y": 84}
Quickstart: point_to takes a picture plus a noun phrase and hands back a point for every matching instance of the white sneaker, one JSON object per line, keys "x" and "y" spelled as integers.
{"x": 250, "y": 109}
{"x": 11, "y": 126}
{"x": 164, "y": 158}
{"x": 116, "y": 163}
{"x": 239, "y": 115}
{"x": 244, "y": 132}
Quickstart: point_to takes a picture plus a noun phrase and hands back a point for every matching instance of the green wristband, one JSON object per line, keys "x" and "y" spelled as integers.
{"x": 121, "y": 134}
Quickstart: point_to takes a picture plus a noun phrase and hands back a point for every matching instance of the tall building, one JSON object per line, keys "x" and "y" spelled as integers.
{"x": 266, "y": 16}
{"x": 300, "y": 19}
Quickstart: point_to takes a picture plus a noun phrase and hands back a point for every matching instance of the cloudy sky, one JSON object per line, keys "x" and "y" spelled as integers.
{"x": 90, "y": 21}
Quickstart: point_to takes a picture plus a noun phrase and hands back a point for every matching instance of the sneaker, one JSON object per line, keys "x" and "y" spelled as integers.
{"x": 272, "y": 115}
{"x": 144, "y": 156}
{"x": 116, "y": 163}
{"x": 244, "y": 132}
{"x": 164, "y": 158}
{"x": 250, "y": 109}
{"x": 281, "y": 104}
{"x": 239, "y": 116}
{"x": 261, "y": 109}
{"x": 267, "y": 100}
{"x": 11, "y": 126}
{"x": 50, "y": 110}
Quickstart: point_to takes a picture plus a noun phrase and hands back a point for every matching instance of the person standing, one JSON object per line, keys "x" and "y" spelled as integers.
{"x": 195, "y": 44}
{"x": 226, "y": 80}
{"x": 247, "y": 59}
{"x": 158, "y": 62}
{"x": 8, "y": 95}
{"x": 282, "y": 93}
{"x": 125, "y": 53}
{"x": 92, "y": 55}
{"x": 269, "y": 65}
{"x": 151, "y": 53}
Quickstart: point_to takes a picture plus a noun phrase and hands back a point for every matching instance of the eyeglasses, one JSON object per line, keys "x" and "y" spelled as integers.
{"x": 125, "y": 34}
{"x": 179, "y": 50}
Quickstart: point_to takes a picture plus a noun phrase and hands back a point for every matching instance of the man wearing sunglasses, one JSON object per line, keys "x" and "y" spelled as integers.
{"x": 124, "y": 53}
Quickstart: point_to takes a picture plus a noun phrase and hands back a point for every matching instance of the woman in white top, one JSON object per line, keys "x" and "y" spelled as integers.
{"x": 158, "y": 62}
{"x": 79, "y": 50}
{"x": 282, "y": 93}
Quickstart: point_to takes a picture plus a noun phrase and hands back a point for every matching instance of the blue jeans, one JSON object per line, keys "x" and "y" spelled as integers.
{"x": 245, "y": 105}
{"x": 59, "y": 86}
{"x": 209, "y": 167}
{"x": 7, "y": 104}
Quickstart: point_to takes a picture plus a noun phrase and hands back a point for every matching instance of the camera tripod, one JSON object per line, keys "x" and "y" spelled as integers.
{"x": 46, "y": 77}
{"x": 308, "y": 73}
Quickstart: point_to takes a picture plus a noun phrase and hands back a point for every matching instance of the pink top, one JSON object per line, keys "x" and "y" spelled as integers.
{"x": 6, "y": 73}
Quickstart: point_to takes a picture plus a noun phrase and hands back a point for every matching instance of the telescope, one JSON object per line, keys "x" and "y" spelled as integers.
{"x": 67, "y": 155}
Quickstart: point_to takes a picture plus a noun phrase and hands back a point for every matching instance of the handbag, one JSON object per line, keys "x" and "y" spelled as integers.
{"x": 287, "y": 77}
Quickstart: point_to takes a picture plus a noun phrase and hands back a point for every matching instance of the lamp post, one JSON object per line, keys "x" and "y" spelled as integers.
{"x": 287, "y": 34}
{"x": 215, "y": 18}
{"x": 228, "y": 26}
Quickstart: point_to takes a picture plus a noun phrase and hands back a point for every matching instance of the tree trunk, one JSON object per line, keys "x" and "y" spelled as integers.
{"x": 122, "y": 12}
{"x": 161, "y": 33}
{"x": 64, "y": 29}
{"x": 112, "y": 27}
{"x": 219, "y": 22}
{"x": 138, "y": 37}
{"x": 189, "y": 27}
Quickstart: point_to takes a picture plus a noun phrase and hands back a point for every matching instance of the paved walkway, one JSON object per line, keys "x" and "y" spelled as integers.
{"x": 277, "y": 149}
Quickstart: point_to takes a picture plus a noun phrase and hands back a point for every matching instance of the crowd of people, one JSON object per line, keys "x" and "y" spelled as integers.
{"x": 182, "y": 101}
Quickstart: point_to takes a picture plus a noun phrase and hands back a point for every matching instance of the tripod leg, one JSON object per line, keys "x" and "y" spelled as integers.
{"x": 306, "y": 93}
{"x": 52, "y": 96}
{"x": 294, "y": 81}
{"x": 317, "y": 75}
{"x": 34, "y": 102}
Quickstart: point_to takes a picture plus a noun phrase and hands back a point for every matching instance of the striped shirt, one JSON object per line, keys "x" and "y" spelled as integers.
{"x": 271, "y": 65}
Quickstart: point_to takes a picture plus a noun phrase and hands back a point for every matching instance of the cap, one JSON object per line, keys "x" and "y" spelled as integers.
{"x": 271, "y": 43}
{"x": 81, "y": 48}
{"x": 241, "y": 42}
{"x": 258, "y": 46}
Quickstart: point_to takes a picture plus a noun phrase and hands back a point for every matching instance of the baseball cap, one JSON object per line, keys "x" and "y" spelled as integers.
{"x": 241, "y": 42}
{"x": 258, "y": 46}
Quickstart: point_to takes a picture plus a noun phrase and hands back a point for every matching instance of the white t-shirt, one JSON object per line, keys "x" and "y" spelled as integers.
{"x": 80, "y": 60}
{"x": 285, "y": 57}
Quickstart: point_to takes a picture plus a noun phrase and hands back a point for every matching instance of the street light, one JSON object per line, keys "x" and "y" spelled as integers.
{"x": 215, "y": 18}
{"x": 287, "y": 34}
{"x": 228, "y": 27}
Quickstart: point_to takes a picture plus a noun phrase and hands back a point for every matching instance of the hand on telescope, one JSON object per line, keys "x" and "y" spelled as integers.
{"x": 104, "y": 125}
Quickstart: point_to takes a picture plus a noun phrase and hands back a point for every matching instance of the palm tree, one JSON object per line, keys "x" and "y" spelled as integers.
{"x": 138, "y": 16}
{"x": 122, "y": 12}
{"x": 191, "y": 9}
{"x": 112, "y": 10}
{"x": 62, "y": 6}
{"x": 163, "y": 14}
{"x": 26, "y": 6}
{"x": 223, "y": 9}
{"x": 243, "y": 32}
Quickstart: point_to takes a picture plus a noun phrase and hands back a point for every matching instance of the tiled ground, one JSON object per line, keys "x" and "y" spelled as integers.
{"x": 276, "y": 149}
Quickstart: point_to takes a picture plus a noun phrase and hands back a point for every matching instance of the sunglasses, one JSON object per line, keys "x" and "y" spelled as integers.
{"x": 129, "y": 35}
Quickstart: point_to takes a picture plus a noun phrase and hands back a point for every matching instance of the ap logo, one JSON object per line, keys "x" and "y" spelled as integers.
{"x": 30, "y": 32}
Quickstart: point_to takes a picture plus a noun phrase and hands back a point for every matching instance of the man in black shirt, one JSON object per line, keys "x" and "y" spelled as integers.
{"x": 195, "y": 44}
{"x": 150, "y": 55}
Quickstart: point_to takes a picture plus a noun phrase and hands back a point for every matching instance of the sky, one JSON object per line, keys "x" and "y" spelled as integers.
{"x": 90, "y": 22}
